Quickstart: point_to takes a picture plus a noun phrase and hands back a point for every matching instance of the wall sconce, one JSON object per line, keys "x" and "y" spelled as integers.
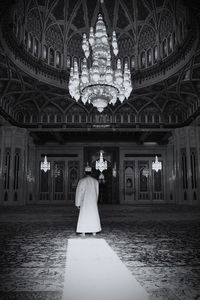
{"x": 114, "y": 170}
{"x": 45, "y": 165}
{"x": 30, "y": 177}
{"x": 156, "y": 165}
{"x": 145, "y": 172}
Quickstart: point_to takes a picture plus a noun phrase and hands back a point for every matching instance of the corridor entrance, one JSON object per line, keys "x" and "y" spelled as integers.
{"x": 108, "y": 184}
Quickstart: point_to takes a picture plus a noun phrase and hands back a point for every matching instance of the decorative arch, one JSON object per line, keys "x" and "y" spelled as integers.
{"x": 173, "y": 113}
{"x": 105, "y": 117}
{"x": 165, "y": 24}
{"x": 147, "y": 37}
{"x": 54, "y": 37}
{"x": 76, "y": 114}
{"x": 33, "y": 23}
{"x": 150, "y": 114}
{"x": 125, "y": 113}
{"x": 19, "y": 116}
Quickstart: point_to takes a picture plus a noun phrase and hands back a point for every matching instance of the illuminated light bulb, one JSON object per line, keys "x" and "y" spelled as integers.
{"x": 118, "y": 77}
{"x": 114, "y": 43}
{"x": 104, "y": 38}
{"x": 75, "y": 82}
{"x": 71, "y": 72}
{"x": 109, "y": 74}
{"x": 77, "y": 96}
{"x": 87, "y": 53}
{"x": 95, "y": 70}
{"x": 84, "y": 99}
{"x": 126, "y": 94}
{"x": 91, "y": 37}
{"x": 119, "y": 65}
{"x": 95, "y": 75}
{"x": 84, "y": 77}
{"x": 126, "y": 81}
{"x": 115, "y": 51}
{"x": 121, "y": 97}
{"x": 72, "y": 92}
{"x": 84, "y": 42}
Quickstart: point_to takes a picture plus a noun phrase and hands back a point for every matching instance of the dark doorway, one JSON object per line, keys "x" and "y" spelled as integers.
{"x": 108, "y": 184}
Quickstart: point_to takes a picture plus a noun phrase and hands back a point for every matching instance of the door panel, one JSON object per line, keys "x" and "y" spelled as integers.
{"x": 108, "y": 184}
{"x": 129, "y": 182}
{"x": 158, "y": 185}
{"x": 143, "y": 184}
{"x": 73, "y": 177}
{"x": 140, "y": 182}
{"x": 58, "y": 180}
{"x": 59, "y": 183}
{"x": 44, "y": 194}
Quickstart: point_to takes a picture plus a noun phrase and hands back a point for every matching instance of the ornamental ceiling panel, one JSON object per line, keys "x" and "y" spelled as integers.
{"x": 143, "y": 10}
{"x": 58, "y": 10}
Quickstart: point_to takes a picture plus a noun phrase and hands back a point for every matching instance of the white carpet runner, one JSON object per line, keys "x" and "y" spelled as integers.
{"x": 94, "y": 272}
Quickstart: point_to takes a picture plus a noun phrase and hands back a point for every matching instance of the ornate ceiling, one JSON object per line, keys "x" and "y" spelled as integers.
{"x": 159, "y": 38}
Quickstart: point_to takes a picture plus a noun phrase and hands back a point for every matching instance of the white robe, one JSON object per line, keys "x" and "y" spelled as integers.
{"x": 87, "y": 192}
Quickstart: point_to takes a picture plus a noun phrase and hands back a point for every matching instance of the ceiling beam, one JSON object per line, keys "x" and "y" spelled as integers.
{"x": 98, "y": 129}
{"x": 59, "y": 137}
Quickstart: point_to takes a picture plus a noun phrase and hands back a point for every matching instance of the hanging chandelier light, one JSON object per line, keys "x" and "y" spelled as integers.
{"x": 45, "y": 165}
{"x": 156, "y": 165}
{"x": 101, "y": 84}
{"x": 101, "y": 164}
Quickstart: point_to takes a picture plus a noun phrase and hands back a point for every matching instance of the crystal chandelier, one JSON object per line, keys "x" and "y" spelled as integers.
{"x": 101, "y": 84}
{"x": 45, "y": 165}
{"x": 156, "y": 165}
{"x": 101, "y": 164}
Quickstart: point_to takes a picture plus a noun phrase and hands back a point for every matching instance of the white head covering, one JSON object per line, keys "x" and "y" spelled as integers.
{"x": 88, "y": 168}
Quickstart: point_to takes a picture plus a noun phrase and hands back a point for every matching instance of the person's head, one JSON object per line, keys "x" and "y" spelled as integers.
{"x": 88, "y": 170}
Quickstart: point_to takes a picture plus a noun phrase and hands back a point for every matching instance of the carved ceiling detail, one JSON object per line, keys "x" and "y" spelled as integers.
{"x": 140, "y": 25}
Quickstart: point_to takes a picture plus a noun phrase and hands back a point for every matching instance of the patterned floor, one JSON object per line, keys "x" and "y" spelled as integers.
{"x": 161, "y": 247}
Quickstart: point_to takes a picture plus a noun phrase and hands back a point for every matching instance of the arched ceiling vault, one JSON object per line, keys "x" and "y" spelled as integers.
{"x": 169, "y": 101}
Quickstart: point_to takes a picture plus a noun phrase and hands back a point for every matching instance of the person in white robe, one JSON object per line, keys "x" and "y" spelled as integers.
{"x": 86, "y": 200}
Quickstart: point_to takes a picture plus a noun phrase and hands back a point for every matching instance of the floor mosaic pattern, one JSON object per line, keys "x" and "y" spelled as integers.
{"x": 159, "y": 245}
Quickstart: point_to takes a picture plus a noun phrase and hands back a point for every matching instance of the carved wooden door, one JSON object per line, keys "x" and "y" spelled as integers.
{"x": 58, "y": 185}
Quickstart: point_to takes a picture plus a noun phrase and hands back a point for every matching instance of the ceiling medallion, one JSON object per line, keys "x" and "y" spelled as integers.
{"x": 101, "y": 84}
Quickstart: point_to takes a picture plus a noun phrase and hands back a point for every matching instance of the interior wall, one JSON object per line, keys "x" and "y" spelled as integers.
{"x": 136, "y": 186}
{"x": 186, "y": 172}
{"x": 21, "y": 177}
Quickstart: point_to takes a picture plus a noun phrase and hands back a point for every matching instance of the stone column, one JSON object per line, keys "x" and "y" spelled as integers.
{"x": 170, "y": 172}
{"x": 14, "y": 139}
{"x": 186, "y": 138}
{"x": 188, "y": 132}
{"x": 31, "y": 193}
{"x": 197, "y": 134}
{"x": 179, "y": 143}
